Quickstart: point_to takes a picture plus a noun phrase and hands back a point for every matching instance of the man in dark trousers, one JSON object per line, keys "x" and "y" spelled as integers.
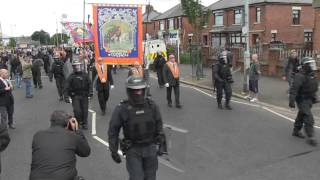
{"x": 46, "y": 63}
{"x": 36, "y": 72}
{"x": 159, "y": 63}
{"x": 78, "y": 86}
{"x": 171, "y": 75}
{"x": 141, "y": 123}
{"x": 104, "y": 82}
{"x": 291, "y": 67}
{"x": 54, "y": 150}
{"x": 57, "y": 72}
{"x": 6, "y": 99}
{"x": 304, "y": 92}
{"x": 4, "y": 139}
{"x": 223, "y": 80}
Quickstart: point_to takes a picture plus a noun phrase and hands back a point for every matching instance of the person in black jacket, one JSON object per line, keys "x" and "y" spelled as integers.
{"x": 78, "y": 86}
{"x": 46, "y": 63}
{"x": 104, "y": 82}
{"x": 6, "y": 99}
{"x": 54, "y": 150}
{"x": 16, "y": 69}
{"x": 36, "y": 72}
{"x": 171, "y": 75}
{"x": 159, "y": 63}
{"x": 57, "y": 72}
{"x": 304, "y": 92}
{"x": 291, "y": 67}
{"x": 223, "y": 80}
{"x": 4, "y": 139}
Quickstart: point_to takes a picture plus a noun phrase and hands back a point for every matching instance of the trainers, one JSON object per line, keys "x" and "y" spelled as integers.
{"x": 298, "y": 134}
{"x": 220, "y": 106}
{"x": 178, "y": 106}
{"x": 253, "y": 100}
{"x": 228, "y": 107}
{"x": 84, "y": 127}
{"x": 11, "y": 126}
{"x": 169, "y": 104}
{"x": 312, "y": 142}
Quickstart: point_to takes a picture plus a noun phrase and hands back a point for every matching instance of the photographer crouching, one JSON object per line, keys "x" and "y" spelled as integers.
{"x": 54, "y": 150}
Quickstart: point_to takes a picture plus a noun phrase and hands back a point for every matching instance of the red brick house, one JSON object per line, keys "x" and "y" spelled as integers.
{"x": 150, "y": 26}
{"x": 290, "y": 22}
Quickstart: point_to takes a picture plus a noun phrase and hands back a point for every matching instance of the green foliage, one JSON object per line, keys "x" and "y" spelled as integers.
{"x": 41, "y": 36}
{"x": 59, "y": 38}
{"x": 185, "y": 58}
{"x": 12, "y": 42}
{"x": 170, "y": 50}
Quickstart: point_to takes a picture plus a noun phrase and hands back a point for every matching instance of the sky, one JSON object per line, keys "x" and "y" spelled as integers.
{"x": 23, "y": 17}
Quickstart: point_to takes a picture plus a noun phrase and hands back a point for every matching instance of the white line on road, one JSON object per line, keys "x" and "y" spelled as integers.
{"x": 94, "y": 131}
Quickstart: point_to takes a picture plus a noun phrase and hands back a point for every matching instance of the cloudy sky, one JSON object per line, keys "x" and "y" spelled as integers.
{"x": 23, "y": 17}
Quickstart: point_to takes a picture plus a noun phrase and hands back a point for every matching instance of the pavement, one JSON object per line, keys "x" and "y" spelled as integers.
{"x": 250, "y": 142}
{"x": 273, "y": 91}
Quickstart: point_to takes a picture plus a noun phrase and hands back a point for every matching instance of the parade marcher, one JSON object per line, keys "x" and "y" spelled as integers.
{"x": 141, "y": 123}
{"x": 223, "y": 80}
{"x": 159, "y": 63}
{"x": 36, "y": 72}
{"x": 136, "y": 70}
{"x": 54, "y": 150}
{"x": 57, "y": 72}
{"x": 304, "y": 92}
{"x": 291, "y": 67}
{"x": 254, "y": 74}
{"x": 171, "y": 75}
{"x": 6, "y": 99}
{"x": 104, "y": 82}
{"x": 27, "y": 75}
{"x": 78, "y": 86}
{"x": 4, "y": 139}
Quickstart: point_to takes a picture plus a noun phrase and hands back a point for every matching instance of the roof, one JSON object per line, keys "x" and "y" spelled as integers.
{"x": 176, "y": 11}
{"x": 223, "y": 4}
{"x": 153, "y": 14}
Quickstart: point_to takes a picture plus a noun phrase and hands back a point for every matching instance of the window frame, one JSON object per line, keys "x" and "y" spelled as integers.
{"x": 216, "y": 15}
{"x": 258, "y": 14}
{"x": 296, "y": 20}
{"x": 235, "y": 13}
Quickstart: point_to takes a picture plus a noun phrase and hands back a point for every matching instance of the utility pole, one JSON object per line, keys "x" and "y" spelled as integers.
{"x": 246, "y": 62}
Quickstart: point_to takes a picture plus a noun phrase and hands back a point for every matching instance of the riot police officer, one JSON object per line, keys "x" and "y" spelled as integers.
{"x": 223, "y": 80}
{"x": 304, "y": 92}
{"x": 140, "y": 119}
{"x": 78, "y": 86}
{"x": 57, "y": 72}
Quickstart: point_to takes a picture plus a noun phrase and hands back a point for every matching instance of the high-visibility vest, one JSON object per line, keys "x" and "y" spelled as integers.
{"x": 102, "y": 75}
{"x": 174, "y": 70}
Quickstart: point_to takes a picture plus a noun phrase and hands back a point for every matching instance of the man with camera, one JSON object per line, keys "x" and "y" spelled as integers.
{"x": 54, "y": 150}
{"x": 223, "y": 80}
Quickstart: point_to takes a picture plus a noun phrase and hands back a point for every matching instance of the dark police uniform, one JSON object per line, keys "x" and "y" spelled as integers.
{"x": 103, "y": 88}
{"x": 142, "y": 129}
{"x": 304, "y": 92}
{"x": 223, "y": 80}
{"x": 78, "y": 86}
{"x": 36, "y": 72}
{"x": 57, "y": 73}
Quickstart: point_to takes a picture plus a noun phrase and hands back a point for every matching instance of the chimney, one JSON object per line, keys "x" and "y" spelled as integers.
{"x": 149, "y": 8}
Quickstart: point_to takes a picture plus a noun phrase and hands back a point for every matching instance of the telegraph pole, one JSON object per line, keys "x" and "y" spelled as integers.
{"x": 246, "y": 62}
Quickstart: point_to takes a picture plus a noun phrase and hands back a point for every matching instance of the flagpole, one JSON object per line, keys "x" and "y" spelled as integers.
{"x": 83, "y": 33}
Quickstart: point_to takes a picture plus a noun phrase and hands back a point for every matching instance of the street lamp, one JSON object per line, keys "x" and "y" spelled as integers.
{"x": 190, "y": 51}
{"x": 246, "y": 62}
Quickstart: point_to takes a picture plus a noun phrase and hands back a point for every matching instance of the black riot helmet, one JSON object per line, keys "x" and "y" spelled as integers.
{"x": 76, "y": 65}
{"x": 223, "y": 57}
{"x": 136, "y": 90}
{"x": 309, "y": 64}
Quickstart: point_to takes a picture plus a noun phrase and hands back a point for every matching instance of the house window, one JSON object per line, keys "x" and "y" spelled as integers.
{"x": 171, "y": 24}
{"x": 218, "y": 16}
{"x": 295, "y": 16}
{"x": 258, "y": 15}
{"x": 162, "y": 25}
{"x": 218, "y": 40}
{"x": 273, "y": 36}
{"x": 308, "y": 37}
{"x": 178, "y": 23}
{"x": 237, "y": 38}
{"x": 237, "y": 16}
{"x": 205, "y": 40}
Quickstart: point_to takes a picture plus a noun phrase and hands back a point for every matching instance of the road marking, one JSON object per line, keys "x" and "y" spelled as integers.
{"x": 161, "y": 160}
{"x": 175, "y": 128}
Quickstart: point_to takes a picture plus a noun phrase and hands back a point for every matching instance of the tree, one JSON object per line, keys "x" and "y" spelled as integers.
{"x": 12, "y": 42}
{"x": 197, "y": 17}
{"x": 41, "y": 36}
{"x": 59, "y": 38}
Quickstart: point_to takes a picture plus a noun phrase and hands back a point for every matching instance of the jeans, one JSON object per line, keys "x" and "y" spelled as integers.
{"x": 18, "y": 80}
{"x": 28, "y": 82}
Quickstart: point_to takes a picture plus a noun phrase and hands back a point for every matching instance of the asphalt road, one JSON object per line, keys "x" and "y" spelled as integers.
{"x": 205, "y": 143}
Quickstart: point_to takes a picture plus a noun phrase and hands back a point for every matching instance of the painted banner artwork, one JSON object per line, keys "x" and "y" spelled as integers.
{"x": 118, "y": 34}
{"x": 76, "y": 31}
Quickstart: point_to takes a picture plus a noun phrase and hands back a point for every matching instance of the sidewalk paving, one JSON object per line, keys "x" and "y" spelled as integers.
{"x": 273, "y": 91}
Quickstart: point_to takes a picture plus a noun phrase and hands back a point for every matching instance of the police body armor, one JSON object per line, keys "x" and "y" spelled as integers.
{"x": 78, "y": 85}
{"x": 309, "y": 88}
{"x": 59, "y": 69}
{"x": 140, "y": 125}
{"x": 225, "y": 72}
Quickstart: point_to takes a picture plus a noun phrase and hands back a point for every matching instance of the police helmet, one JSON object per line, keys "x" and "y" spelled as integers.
{"x": 310, "y": 63}
{"x": 135, "y": 83}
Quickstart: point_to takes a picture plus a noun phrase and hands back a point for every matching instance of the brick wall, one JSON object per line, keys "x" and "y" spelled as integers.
{"x": 316, "y": 35}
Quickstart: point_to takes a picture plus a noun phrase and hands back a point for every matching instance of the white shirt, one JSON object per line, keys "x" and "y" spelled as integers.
{"x": 5, "y": 82}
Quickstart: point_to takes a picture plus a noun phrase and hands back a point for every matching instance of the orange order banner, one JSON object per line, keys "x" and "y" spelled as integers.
{"x": 118, "y": 34}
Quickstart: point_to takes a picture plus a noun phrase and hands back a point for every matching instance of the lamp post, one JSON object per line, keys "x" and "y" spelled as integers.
{"x": 246, "y": 62}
